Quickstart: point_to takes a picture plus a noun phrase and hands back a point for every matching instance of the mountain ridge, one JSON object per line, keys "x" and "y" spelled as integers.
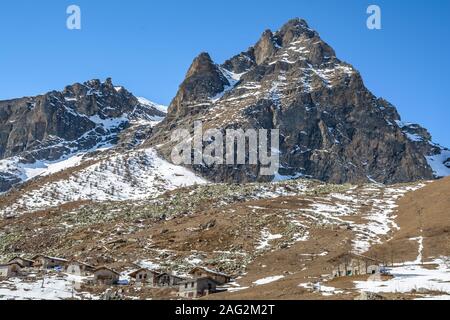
{"x": 59, "y": 125}
{"x": 333, "y": 128}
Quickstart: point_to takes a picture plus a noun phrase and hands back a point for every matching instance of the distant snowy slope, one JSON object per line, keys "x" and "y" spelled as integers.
{"x": 134, "y": 175}
{"x": 440, "y": 163}
{"x": 149, "y": 103}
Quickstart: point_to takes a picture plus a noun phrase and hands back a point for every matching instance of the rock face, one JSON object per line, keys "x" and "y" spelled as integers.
{"x": 332, "y": 127}
{"x": 82, "y": 117}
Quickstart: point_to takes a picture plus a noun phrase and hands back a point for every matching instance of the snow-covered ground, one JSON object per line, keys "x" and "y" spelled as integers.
{"x": 266, "y": 237}
{"x": 413, "y": 278}
{"x": 149, "y": 103}
{"x": 320, "y": 288}
{"x": 267, "y": 280}
{"x": 381, "y": 219}
{"x": 53, "y": 287}
{"x": 338, "y": 209}
{"x": 437, "y": 163}
{"x": 133, "y": 176}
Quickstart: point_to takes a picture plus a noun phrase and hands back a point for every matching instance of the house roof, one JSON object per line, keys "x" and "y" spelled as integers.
{"x": 200, "y": 279}
{"x": 48, "y": 257}
{"x": 134, "y": 273}
{"x": 81, "y": 263}
{"x": 21, "y": 258}
{"x": 209, "y": 271}
{"x": 108, "y": 269}
{"x": 169, "y": 274}
{"x": 11, "y": 264}
{"x": 352, "y": 255}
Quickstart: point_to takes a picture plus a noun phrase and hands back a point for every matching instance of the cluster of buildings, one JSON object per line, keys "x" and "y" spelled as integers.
{"x": 350, "y": 264}
{"x": 202, "y": 281}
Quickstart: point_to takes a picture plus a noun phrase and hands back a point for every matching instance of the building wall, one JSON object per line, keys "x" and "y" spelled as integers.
{"x": 355, "y": 267}
{"x": 23, "y": 262}
{"x": 4, "y": 272}
{"x": 205, "y": 287}
{"x": 48, "y": 263}
{"x": 9, "y": 271}
{"x": 106, "y": 277}
{"x": 74, "y": 269}
{"x": 146, "y": 277}
{"x": 217, "y": 277}
{"x": 188, "y": 289}
{"x": 168, "y": 281}
{"x": 197, "y": 288}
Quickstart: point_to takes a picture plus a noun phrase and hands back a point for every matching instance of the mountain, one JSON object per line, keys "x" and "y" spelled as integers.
{"x": 86, "y": 180}
{"x": 332, "y": 127}
{"x": 47, "y": 133}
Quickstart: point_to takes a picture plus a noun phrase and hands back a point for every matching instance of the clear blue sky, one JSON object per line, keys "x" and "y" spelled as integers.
{"x": 147, "y": 46}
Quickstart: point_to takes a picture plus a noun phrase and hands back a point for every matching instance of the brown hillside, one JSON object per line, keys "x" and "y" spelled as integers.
{"x": 426, "y": 213}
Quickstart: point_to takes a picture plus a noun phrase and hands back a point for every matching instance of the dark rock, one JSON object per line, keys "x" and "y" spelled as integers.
{"x": 332, "y": 127}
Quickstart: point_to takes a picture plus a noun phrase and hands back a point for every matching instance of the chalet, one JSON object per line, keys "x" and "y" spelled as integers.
{"x": 10, "y": 270}
{"x": 145, "y": 276}
{"x": 350, "y": 264}
{"x": 106, "y": 276}
{"x": 26, "y": 263}
{"x": 79, "y": 268}
{"x": 167, "y": 280}
{"x": 201, "y": 272}
{"x": 46, "y": 262}
{"x": 197, "y": 288}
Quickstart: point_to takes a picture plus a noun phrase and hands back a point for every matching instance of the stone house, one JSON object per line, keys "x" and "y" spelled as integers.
{"x": 350, "y": 264}
{"x": 26, "y": 263}
{"x": 197, "y": 288}
{"x": 10, "y": 270}
{"x": 106, "y": 276}
{"x": 202, "y": 272}
{"x": 47, "y": 262}
{"x": 145, "y": 276}
{"x": 79, "y": 268}
{"x": 167, "y": 280}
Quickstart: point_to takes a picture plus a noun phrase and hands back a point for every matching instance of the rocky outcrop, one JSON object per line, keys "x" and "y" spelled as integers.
{"x": 48, "y": 127}
{"x": 203, "y": 80}
{"x": 332, "y": 127}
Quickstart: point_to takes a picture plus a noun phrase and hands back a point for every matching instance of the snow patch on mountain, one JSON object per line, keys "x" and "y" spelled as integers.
{"x": 440, "y": 163}
{"x": 412, "y": 277}
{"x": 232, "y": 78}
{"x": 136, "y": 175}
{"x": 149, "y": 103}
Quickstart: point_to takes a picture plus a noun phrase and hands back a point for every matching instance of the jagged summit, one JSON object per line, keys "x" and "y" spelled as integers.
{"x": 203, "y": 81}
{"x": 83, "y": 117}
{"x": 333, "y": 128}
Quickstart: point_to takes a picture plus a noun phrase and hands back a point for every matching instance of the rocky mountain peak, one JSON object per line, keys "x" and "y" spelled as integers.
{"x": 293, "y": 29}
{"x": 201, "y": 64}
{"x": 82, "y": 117}
{"x": 265, "y": 47}
{"x": 332, "y": 127}
{"x": 203, "y": 81}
